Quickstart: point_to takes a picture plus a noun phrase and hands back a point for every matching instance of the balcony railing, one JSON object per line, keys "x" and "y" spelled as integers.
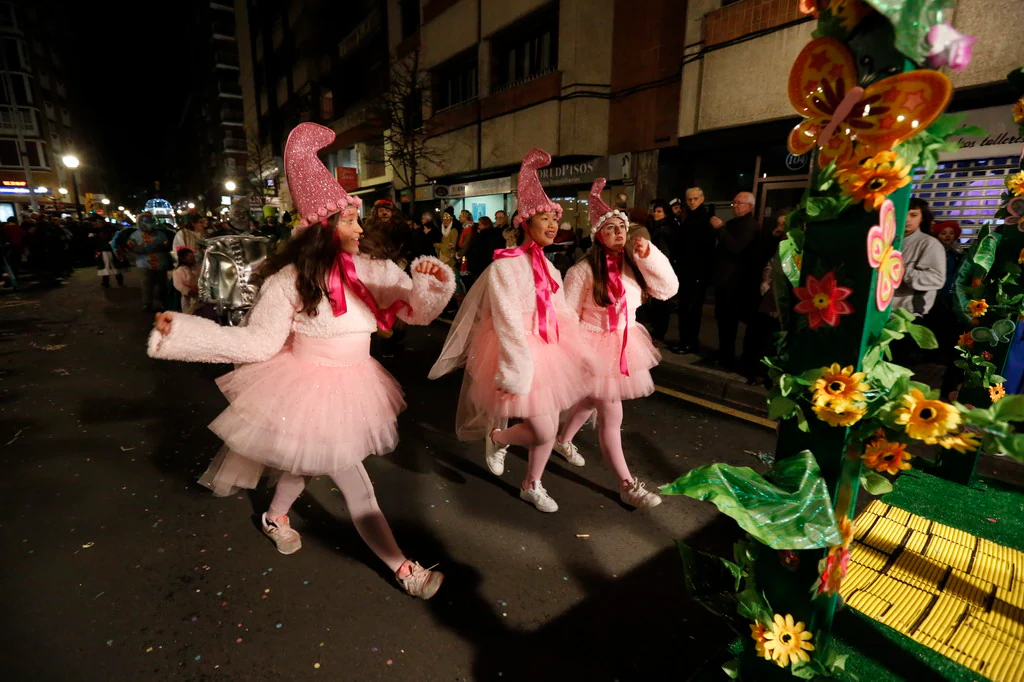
{"x": 28, "y": 122}
{"x": 225, "y": 58}
{"x": 230, "y": 90}
{"x": 233, "y": 144}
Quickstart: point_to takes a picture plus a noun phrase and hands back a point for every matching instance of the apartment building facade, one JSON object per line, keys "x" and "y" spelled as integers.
{"x": 734, "y": 114}
{"x": 494, "y": 79}
{"x": 39, "y": 123}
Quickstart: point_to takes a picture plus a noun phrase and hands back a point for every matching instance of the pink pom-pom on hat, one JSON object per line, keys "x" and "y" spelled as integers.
{"x": 600, "y": 212}
{"x": 532, "y": 198}
{"x": 315, "y": 192}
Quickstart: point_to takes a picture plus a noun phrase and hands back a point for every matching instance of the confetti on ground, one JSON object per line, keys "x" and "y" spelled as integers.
{"x": 583, "y": 535}
{"x": 316, "y": 665}
{"x": 124, "y": 449}
{"x": 87, "y": 545}
{"x": 110, "y": 642}
{"x": 278, "y": 626}
{"x": 20, "y": 431}
{"x": 62, "y": 372}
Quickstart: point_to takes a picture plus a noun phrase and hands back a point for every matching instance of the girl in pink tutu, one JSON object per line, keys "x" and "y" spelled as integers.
{"x": 605, "y": 289}
{"x": 311, "y": 401}
{"x": 520, "y": 344}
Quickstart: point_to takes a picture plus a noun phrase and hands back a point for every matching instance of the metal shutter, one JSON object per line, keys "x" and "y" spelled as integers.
{"x": 966, "y": 191}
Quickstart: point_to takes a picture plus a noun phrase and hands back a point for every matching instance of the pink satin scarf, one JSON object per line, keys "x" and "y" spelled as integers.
{"x": 344, "y": 272}
{"x": 544, "y": 284}
{"x": 617, "y": 293}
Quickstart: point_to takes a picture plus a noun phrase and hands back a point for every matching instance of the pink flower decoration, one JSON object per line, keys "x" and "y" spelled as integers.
{"x": 836, "y": 565}
{"x": 883, "y": 257}
{"x": 949, "y": 48}
{"x": 822, "y": 301}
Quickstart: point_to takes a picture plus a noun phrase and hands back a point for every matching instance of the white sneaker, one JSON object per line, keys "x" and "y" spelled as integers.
{"x": 637, "y": 495}
{"x": 420, "y": 582}
{"x": 570, "y": 452}
{"x": 538, "y": 497}
{"x": 494, "y": 454}
{"x": 280, "y": 531}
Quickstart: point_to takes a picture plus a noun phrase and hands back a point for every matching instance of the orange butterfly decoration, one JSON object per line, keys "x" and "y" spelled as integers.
{"x": 848, "y": 122}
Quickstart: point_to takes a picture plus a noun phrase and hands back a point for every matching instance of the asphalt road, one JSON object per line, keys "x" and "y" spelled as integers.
{"x": 117, "y": 565}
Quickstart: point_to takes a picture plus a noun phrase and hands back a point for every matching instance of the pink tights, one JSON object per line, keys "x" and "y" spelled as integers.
{"x": 357, "y": 489}
{"x": 538, "y": 435}
{"x": 609, "y": 431}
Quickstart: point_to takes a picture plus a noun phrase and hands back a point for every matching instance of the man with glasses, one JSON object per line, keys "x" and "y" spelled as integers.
{"x": 732, "y": 276}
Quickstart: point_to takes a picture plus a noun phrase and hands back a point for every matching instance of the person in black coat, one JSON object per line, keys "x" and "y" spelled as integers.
{"x": 664, "y": 231}
{"x": 735, "y": 258}
{"x": 481, "y": 250}
{"x": 693, "y": 258}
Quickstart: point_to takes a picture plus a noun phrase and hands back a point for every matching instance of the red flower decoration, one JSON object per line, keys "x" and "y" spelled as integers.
{"x": 789, "y": 559}
{"x": 987, "y": 356}
{"x": 836, "y": 565}
{"x": 822, "y": 301}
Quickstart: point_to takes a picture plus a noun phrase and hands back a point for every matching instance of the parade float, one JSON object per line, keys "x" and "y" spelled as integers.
{"x": 923, "y": 583}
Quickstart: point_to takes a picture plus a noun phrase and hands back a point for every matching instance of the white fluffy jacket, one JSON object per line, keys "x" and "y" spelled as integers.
{"x": 661, "y": 281}
{"x": 512, "y": 303}
{"x": 275, "y": 315}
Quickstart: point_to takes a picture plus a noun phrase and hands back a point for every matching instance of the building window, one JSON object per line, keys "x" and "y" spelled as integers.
{"x": 14, "y": 55}
{"x": 455, "y": 81}
{"x": 526, "y": 50}
{"x": 410, "y": 14}
{"x": 51, "y": 111}
{"x": 9, "y": 153}
{"x": 55, "y": 142}
{"x": 22, "y": 93}
{"x": 44, "y": 80}
{"x": 7, "y": 15}
{"x": 61, "y": 90}
{"x": 34, "y": 153}
{"x": 326, "y": 105}
{"x": 65, "y": 117}
{"x": 371, "y": 158}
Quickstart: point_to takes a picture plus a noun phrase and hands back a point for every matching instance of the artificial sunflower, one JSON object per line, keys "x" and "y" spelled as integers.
{"x": 927, "y": 420}
{"x": 757, "y": 633}
{"x": 966, "y": 340}
{"x": 1020, "y": 257}
{"x": 996, "y": 393}
{"x": 844, "y": 384}
{"x": 787, "y": 642}
{"x": 839, "y": 412}
{"x": 962, "y": 442}
{"x": 1018, "y": 111}
{"x": 874, "y": 179}
{"x": 1015, "y": 183}
{"x": 846, "y": 530}
{"x": 977, "y": 307}
{"x": 885, "y": 456}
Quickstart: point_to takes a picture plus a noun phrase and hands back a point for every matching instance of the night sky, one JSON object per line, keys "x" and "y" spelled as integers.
{"x": 133, "y": 59}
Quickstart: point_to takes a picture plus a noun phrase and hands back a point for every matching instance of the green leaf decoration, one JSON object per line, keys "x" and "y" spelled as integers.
{"x": 781, "y": 407}
{"x": 788, "y": 252}
{"x": 985, "y": 255}
{"x": 1010, "y": 408}
{"x": 923, "y": 336}
{"x": 984, "y": 335}
{"x": 1003, "y": 330}
{"x": 791, "y": 511}
{"x": 875, "y": 483}
{"x": 732, "y": 669}
{"x": 735, "y": 569}
{"x": 911, "y": 21}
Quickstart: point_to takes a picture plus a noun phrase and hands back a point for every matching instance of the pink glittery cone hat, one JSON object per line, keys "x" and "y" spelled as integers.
{"x": 315, "y": 193}
{"x": 601, "y": 212}
{"x": 532, "y": 199}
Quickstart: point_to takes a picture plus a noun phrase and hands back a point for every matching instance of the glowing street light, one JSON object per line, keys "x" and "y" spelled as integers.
{"x": 120, "y": 208}
{"x": 230, "y": 185}
{"x": 191, "y": 205}
{"x": 63, "y": 191}
{"x": 41, "y": 190}
{"x": 70, "y": 161}
{"x": 105, "y": 202}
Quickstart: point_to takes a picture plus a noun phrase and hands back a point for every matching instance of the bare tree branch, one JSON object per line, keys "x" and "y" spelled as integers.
{"x": 259, "y": 165}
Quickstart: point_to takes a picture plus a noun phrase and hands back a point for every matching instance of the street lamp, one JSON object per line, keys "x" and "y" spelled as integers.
{"x": 105, "y": 202}
{"x": 191, "y": 205}
{"x": 41, "y": 190}
{"x": 63, "y": 191}
{"x": 71, "y": 162}
{"x": 120, "y": 208}
{"x": 230, "y": 185}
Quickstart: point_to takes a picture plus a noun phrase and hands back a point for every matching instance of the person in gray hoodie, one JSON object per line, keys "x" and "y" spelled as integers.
{"x": 924, "y": 262}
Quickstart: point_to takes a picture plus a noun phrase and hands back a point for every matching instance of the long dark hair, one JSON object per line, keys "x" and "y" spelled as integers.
{"x": 598, "y": 265}
{"x": 313, "y": 252}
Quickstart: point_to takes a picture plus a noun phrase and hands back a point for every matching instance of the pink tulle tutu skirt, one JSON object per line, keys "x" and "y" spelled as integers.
{"x": 608, "y": 381}
{"x": 561, "y": 374}
{"x": 317, "y": 407}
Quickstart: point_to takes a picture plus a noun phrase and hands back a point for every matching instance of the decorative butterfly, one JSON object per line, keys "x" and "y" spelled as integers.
{"x": 1015, "y": 207}
{"x": 848, "y": 122}
{"x": 883, "y": 257}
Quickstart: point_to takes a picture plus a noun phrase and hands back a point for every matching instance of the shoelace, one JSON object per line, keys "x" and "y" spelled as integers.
{"x": 418, "y": 573}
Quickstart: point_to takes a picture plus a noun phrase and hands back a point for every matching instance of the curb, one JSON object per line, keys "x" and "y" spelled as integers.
{"x": 711, "y": 384}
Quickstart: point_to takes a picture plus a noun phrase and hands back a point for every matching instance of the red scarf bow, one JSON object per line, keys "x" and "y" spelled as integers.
{"x": 617, "y": 292}
{"x": 344, "y": 273}
{"x": 544, "y": 284}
